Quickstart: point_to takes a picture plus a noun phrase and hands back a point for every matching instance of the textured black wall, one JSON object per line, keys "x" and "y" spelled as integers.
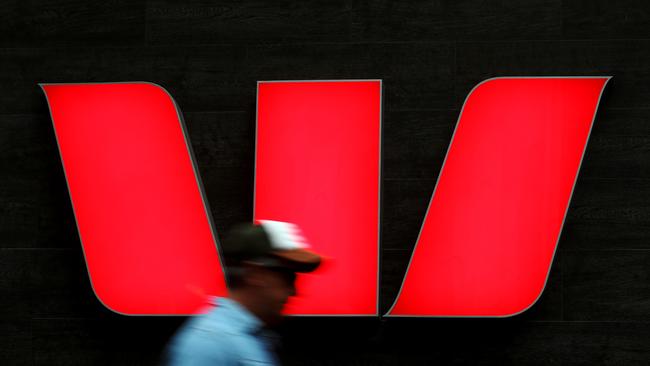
{"x": 209, "y": 55}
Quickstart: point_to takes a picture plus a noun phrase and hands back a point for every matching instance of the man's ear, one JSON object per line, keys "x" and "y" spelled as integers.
{"x": 255, "y": 275}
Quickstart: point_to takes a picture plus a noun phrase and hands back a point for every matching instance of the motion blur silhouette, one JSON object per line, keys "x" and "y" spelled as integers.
{"x": 261, "y": 262}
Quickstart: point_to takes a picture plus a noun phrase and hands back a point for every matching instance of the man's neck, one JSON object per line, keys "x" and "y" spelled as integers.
{"x": 244, "y": 300}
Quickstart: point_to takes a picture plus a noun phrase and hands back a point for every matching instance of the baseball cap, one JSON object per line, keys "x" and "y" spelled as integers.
{"x": 270, "y": 243}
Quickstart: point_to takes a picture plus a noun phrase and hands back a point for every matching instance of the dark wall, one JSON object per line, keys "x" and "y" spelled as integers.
{"x": 209, "y": 55}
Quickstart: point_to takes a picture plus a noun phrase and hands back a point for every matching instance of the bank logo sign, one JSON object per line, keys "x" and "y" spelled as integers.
{"x": 485, "y": 246}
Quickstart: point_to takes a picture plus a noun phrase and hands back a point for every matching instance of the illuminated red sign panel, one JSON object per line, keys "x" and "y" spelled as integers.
{"x": 485, "y": 247}
{"x": 143, "y": 224}
{"x": 494, "y": 220}
{"x": 317, "y": 165}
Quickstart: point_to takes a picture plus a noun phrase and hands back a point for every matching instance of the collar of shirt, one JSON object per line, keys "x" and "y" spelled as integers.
{"x": 238, "y": 314}
{"x": 243, "y": 319}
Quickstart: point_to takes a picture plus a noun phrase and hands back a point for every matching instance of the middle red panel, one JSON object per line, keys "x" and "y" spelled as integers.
{"x": 317, "y": 164}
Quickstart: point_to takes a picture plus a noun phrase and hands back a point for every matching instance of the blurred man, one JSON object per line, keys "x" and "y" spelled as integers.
{"x": 261, "y": 262}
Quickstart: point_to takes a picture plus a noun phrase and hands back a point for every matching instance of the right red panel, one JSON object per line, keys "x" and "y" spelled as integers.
{"x": 493, "y": 223}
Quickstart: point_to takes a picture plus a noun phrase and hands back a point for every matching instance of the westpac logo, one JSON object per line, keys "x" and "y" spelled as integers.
{"x": 487, "y": 240}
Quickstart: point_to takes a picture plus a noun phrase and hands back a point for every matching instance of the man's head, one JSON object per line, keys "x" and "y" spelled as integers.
{"x": 261, "y": 264}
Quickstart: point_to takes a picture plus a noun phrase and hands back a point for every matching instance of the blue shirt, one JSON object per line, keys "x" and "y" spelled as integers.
{"x": 227, "y": 335}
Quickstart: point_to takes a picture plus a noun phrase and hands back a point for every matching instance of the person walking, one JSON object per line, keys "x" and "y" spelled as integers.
{"x": 261, "y": 261}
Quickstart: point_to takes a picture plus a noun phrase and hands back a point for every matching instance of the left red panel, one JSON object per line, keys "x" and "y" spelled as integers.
{"x": 141, "y": 213}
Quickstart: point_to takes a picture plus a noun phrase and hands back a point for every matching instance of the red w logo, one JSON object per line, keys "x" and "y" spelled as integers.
{"x": 486, "y": 244}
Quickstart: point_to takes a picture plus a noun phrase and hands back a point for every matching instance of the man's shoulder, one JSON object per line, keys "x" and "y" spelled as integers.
{"x": 203, "y": 338}
{"x": 214, "y": 324}
{"x": 216, "y": 335}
